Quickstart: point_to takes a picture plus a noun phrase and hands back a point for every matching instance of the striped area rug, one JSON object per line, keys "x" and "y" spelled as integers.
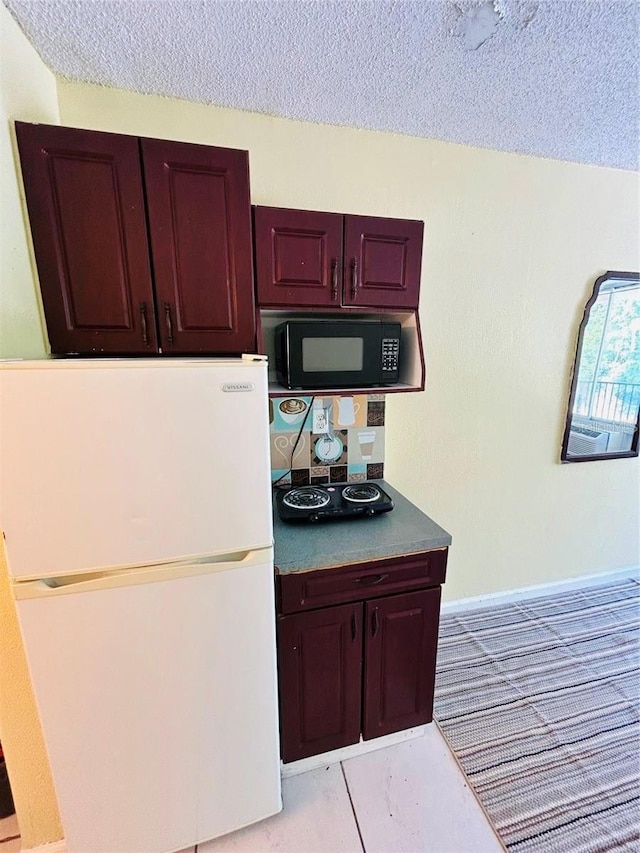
{"x": 539, "y": 700}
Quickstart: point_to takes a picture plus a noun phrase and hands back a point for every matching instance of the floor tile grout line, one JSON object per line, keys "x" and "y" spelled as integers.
{"x": 469, "y": 784}
{"x": 353, "y": 808}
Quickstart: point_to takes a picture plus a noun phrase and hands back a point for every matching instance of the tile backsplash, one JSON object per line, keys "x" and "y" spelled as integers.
{"x": 352, "y": 450}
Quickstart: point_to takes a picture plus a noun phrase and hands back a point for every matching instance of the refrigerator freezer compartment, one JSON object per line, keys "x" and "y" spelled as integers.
{"x": 131, "y": 464}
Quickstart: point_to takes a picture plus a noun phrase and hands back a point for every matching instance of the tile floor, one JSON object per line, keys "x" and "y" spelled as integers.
{"x": 407, "y": 798}
{"x": 9, "y": 835}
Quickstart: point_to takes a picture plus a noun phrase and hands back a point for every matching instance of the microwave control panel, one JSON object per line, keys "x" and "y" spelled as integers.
{"x": 390, "y": 356}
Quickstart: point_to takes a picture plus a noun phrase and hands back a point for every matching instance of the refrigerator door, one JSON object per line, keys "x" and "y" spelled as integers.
{"x": 125, "y": 462}
{"x": 158, "y": 701}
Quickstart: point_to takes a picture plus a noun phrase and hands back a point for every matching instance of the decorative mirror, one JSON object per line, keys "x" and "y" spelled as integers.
{"x": 604, "y": 403}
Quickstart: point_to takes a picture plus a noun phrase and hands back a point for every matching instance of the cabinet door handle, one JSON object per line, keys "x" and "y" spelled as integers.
{"x": 371, "y": 581}
{"x": 143, "y": 322}
{"x": 354, "y": 627}
{"x": 167, "y": 318}
{"x": 374, "y": 622}
{"x": 354, "y": 277}
{"x": 334, "y": 279}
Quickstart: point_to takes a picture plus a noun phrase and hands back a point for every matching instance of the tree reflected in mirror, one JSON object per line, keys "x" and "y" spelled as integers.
{"x": 604, "y": 403}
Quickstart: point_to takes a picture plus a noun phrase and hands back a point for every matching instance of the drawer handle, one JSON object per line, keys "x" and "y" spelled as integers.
{"x": 374, "y": 622}
{"x": 354, "y": 627}
{"x": 368, "y": 580}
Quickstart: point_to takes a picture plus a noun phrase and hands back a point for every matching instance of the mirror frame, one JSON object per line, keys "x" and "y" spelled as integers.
{"x": 626, "y": 454}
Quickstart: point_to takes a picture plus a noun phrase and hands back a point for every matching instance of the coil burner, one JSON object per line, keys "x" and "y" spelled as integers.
{"x": 363, "y": 493}
{"x": 331, "y": 502}
{"x": 306, "y": 497}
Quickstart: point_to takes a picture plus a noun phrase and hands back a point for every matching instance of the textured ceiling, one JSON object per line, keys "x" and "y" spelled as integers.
{"x": 553, "y": 78}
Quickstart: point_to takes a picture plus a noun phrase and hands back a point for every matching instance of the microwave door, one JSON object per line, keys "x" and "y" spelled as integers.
{"x": 325, "y": 355}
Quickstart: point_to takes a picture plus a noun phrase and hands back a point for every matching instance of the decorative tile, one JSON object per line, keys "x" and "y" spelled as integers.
{"x": 277, "y": 473}
{"x": 320, "y": 481}
{"x": 366, "y": 445}
{"x": 300, "y": 477}
{"x": 375, "y": 413}
{"x": 357, "y": 468}
{"x": 375, "y": 471}
{"x": 338, "y": 473}
{"x": 289, "y": 413}
{"x": 358, "y": 444}
{"x": 333, "y": 451}
{"x": 282, "y": 444}
{"x": 349, "y": 411}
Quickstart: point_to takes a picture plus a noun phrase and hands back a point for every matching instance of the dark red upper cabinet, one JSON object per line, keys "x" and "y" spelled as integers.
{"x": 200, "y": 231}
{"x": 382, "y": 259}
{"x": 400, "y": 659}
{"x": 307, "y": 258}
{"x": 86, "y": 208}
{"x": 298, "y": 257}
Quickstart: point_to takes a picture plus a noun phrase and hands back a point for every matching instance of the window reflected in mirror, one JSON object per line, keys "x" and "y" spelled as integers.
{"x": 604, "y": 403}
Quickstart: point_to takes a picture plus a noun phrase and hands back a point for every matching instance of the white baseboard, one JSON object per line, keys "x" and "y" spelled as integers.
{"x": 53, "y": 847}
{"x": 539, "y": 589}
{"x": 360, "y": 748}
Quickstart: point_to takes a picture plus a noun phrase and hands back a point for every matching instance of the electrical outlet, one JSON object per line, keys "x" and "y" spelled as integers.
{"x": 320, "y": 421}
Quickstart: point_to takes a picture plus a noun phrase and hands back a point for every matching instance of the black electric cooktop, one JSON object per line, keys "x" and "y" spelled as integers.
{"x": 332, "y": 502}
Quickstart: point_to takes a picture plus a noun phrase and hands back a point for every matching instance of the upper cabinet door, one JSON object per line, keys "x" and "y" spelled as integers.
{"x": 86, "y": 208}
{"x": 298, "y": 257}
{"x": 400, "y": 661}
{"x": 200, "y": 231}
{"x": 382, "y": 260}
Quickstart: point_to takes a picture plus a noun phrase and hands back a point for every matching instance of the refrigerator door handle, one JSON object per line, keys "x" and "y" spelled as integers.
{"x": 109, "y": 579}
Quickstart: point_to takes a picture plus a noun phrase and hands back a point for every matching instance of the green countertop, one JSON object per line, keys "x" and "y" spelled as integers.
{"x": 404, "y": 530}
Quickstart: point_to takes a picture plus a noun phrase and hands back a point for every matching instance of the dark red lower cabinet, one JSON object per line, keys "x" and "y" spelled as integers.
{"x": 400, "y": 658}
{"x": 366, "y": 667}
{"x": 320, "y": 675}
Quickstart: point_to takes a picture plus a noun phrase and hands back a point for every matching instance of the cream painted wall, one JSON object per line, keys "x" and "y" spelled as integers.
{"x": 513, "y": 245}
{"x": 27, "y": 91}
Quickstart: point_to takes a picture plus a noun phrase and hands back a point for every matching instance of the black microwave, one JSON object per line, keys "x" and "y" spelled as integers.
{"x": 337, "y": 353}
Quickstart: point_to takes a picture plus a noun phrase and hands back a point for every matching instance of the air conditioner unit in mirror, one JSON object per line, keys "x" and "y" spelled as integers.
{"x": 586, "y": 442}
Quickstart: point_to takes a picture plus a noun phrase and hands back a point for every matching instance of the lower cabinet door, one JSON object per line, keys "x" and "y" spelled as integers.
{"x": 401, "y": 638}
{"x": 320, "y": 680}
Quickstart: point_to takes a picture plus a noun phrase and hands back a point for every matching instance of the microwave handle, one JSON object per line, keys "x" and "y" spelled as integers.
{"x": 354, "y": 278}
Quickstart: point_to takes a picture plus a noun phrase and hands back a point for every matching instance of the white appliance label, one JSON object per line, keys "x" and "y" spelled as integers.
{"x": 238, "y": 386}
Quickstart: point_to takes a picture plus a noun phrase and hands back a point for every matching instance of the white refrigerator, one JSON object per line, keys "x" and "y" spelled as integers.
{"x": 135, "y": 503}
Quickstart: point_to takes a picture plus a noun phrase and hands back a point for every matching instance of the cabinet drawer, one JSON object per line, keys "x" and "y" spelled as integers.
{"x": 309, "y": 590}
